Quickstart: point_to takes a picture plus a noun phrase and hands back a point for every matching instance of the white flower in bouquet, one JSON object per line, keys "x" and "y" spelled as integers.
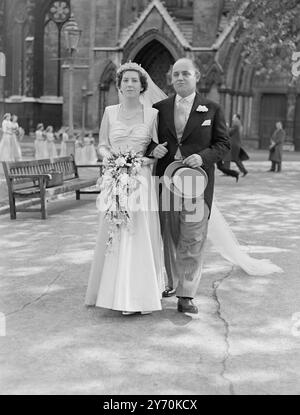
{"x": 120, "y": 161}
{"x": 124, "y": 179}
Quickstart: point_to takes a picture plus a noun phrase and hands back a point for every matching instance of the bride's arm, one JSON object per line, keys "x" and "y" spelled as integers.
{"x": 104, "y": 148}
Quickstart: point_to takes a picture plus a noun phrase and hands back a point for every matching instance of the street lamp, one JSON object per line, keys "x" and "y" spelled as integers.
{"x": 84, "y": 98}
{"x": 2, "y": 75}
{"x": 72, "y": 35}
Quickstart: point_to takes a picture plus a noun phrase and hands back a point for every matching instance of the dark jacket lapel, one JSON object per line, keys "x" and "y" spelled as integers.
{"x": 193, "y": 119}
{"x": 169, "y": 116}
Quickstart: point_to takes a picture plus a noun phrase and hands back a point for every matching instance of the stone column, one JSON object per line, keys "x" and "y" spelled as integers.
{"x": 30, "y": 6}
{"x": 240, "y": 99}
{"x": 227, "y": 109}
{"x": 246, "y": 116}
{"x": 234, "y": 104}
{"x": 254, "y": 120}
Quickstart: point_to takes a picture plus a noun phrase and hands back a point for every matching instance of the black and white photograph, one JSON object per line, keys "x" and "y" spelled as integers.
{"x": 149, "y": 200}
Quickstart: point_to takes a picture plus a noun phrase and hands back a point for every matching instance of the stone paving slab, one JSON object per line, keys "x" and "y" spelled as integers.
{"x": 243, "y": 341}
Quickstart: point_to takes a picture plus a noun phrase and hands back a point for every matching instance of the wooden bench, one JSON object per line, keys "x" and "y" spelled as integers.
{"x": 29, "y": 180}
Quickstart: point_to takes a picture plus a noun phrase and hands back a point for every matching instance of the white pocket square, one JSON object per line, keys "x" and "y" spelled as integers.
{"x": 206, "y": 122}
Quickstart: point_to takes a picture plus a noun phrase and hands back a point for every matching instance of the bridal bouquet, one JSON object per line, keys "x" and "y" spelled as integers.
{"x": 118, "y": 181}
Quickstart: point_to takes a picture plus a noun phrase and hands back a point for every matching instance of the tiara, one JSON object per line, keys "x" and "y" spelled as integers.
{"x": 133, "y": 66}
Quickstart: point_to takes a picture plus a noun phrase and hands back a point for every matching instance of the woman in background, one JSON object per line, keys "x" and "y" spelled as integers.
{"x": 89, "y": 151}
{"x": 6, "y": 146}
{"x": 15, "y": 138}
{"x": 52, "y": 152}
{"x": 40, "y": 146}
{"x": 65, "y": 138}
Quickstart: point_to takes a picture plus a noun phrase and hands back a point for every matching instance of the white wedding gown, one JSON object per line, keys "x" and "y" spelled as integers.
{"x": 130, "y": 275}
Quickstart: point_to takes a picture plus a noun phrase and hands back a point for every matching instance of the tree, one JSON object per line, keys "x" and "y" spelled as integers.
{"x": 271, "y": 34}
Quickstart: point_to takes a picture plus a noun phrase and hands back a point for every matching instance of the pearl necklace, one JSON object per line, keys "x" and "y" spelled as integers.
{"x": 130, "y": 116}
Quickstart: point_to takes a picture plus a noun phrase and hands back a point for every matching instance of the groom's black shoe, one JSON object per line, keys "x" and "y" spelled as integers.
{"x": 168, "y": 292}
{"x": 185, "y": 305}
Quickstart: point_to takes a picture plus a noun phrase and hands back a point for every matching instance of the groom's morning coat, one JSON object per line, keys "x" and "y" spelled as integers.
{"x": 205, "y": 133}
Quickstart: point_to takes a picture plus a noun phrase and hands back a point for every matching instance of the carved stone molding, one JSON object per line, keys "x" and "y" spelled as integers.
{"x": 108, "y": 76}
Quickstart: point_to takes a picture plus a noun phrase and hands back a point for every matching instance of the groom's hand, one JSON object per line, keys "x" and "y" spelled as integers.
{"x": 160, "y": 150}
{"x": 194, "y": 161}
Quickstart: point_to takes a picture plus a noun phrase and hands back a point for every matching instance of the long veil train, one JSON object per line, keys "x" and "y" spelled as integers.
{"x": 225, "y": 242}
{"x": 219, "y": 232}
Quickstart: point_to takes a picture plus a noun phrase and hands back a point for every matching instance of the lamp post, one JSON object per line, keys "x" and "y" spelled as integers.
{"x": 84, "y": 98}
{"x": 72, "y": 35}
{"x": 2, "y": 75}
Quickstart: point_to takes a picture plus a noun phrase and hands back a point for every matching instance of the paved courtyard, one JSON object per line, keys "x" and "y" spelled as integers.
{"x": 245, "y": 339}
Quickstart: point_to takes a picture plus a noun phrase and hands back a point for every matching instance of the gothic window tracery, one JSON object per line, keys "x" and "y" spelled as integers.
{"x": 58, "y": 13}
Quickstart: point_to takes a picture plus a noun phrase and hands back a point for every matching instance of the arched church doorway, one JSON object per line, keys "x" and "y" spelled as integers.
{"x": 156, "y": 60}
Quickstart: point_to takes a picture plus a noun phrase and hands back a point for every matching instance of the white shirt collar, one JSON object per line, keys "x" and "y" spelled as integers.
{"x": 189, "y": 99}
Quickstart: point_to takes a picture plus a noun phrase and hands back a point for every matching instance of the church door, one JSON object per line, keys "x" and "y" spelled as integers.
{"x": 156, "y": 60}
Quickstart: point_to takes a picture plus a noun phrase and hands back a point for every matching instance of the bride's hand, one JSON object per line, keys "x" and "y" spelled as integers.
{"x": 146, "y": 161}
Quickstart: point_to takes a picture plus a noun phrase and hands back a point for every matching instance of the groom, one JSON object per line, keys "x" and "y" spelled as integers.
{"x": 191, "y": 129}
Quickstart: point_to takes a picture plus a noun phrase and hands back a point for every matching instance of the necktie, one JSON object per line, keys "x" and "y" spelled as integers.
{"x": 180, "y": 119}
{"x": 180, "y": 116}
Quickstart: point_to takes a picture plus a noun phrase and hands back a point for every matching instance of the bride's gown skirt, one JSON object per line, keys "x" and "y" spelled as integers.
{"x": 129, "y": 276}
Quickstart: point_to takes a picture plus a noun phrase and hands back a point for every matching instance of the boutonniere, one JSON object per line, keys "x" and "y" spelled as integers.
{"x": 202, "y": 108}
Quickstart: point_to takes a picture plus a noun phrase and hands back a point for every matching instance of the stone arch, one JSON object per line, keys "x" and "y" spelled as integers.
{"x": 233, "y": 65}
{"x": 108, "y": 93}
{"x": 134, "y": 46}
{"x": 156, "y": 54}
{"x": 107, "y": 76}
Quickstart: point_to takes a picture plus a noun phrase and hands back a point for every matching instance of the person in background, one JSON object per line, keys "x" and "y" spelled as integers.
{"x": 65, "y": 138}
{"x": 237, "y": 153}
{"x": 15, "y": 138}
{"x": 52, "y": 152}
{"x": 41, "y": 151}
{"x": 276, "y": 147}
{"x": 226, "y": 171}
{"x": 79, "y": 150}
{"x": 89, "y": 153}
{"x": 6, "y": 147}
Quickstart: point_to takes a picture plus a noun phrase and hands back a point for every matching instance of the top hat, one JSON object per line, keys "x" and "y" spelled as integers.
{"x": 184, "y": 181}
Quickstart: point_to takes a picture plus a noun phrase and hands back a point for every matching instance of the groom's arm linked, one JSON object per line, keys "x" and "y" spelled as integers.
{"x": 211, "y": 143}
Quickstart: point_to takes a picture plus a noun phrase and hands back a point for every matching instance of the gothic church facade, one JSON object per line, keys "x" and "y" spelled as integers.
{"x": 153, "y": 33}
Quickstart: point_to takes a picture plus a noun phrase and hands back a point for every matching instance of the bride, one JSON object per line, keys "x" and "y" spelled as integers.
{"x": 128, "y": 275}
{"x": 127, "y": 272}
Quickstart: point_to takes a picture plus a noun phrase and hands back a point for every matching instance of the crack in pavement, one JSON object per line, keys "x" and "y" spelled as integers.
{"x": 37, "y": 298}
{"x": 215, "y": 285}
{"x": 57, "y": 249}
